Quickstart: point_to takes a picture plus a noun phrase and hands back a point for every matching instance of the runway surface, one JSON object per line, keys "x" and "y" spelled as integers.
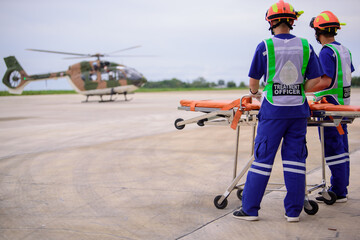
{"x": 120, "y": 170}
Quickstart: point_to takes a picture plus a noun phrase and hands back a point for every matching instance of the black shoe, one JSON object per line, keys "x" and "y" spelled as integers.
{"x": 240, "y": 214}
{"x": 341, "y": 199}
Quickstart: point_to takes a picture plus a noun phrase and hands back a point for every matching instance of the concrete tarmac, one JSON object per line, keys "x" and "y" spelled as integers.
{"x": 120, "y": 170}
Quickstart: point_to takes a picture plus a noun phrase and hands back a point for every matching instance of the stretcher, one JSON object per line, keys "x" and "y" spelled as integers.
{"x": 243, "y": 112}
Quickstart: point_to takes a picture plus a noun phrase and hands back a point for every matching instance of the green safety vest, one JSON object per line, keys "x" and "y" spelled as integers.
{"x": 337, "y": 90}
{"x": 271, "y": 61}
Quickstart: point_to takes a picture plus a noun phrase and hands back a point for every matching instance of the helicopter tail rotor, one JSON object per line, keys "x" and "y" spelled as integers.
{"x": 15, "y": 76}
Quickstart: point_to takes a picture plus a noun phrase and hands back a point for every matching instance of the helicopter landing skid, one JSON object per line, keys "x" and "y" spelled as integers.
{"x": 109, "y": 100}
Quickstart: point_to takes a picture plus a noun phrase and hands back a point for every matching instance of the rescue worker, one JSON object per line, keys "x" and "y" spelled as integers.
{"x": 336, "y": 63}
{"x": 290, "y": 67}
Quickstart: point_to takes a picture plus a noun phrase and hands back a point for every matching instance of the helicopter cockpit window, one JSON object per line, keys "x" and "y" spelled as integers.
{"x": 132, "y": 74}
{"x": 120, "y": 74}
{"x": 93, "y": 77}
{"x": 114, "y": 75}
{"x": 105, "y": 76}
{"x": 89, "y": 76}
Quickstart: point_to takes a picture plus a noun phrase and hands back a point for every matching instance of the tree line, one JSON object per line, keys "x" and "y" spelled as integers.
{"x": 197, "y": 83}
{"x": 355, "y": 81}
{"x": 201, "y": 82}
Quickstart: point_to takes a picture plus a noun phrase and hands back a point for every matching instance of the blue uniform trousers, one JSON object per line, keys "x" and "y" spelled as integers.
{"x": 293, "y": 152}
{"x": 337, "y": 158}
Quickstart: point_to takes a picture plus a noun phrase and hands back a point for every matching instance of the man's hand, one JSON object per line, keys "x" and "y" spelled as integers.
{"x": 256, "y": 95}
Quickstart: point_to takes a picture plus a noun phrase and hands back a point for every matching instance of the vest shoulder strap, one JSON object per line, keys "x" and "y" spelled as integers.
{"x": 339, "y": 76}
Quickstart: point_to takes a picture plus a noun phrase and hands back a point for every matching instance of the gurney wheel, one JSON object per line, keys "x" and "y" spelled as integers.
{"x": 176, "y": 122}
{"x": 314, "y": 208}
{"x": 201, "y": 123}
{"x": 220, "y": 205}
{"x": 332, "y": 198}
{"x": 239, "y": 193}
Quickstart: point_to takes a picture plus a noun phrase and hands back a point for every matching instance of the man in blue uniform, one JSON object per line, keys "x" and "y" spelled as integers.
{"x": 336, "y": 63}
{"x": 285, "y": 61}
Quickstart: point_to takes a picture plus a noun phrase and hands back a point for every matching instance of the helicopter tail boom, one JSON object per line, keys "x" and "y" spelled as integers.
{"x": 15, "y": 76}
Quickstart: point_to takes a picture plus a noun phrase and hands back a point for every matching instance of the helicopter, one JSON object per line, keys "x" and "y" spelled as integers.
{"x": 89, "y": 78}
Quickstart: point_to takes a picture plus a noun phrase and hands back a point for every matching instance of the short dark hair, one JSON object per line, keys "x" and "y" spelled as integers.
{"x": 327, "y": 32}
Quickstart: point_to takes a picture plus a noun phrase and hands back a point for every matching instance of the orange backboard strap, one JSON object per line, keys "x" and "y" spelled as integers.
{"x": 236, "y": 119}
{"x": 235, "y": 103}
{"x": 339, "y": 127}
{"x": 246, "y": 104}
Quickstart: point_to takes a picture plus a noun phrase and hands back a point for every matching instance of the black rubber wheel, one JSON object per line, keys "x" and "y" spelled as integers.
{"x": 239, "y": 193}
{"x": 179, "y": 127}
{"x": 201, "y": 123}
{"x": 221, "y": 205}
{"x": 332, "y": 200}
{"x": 314, "y": 208}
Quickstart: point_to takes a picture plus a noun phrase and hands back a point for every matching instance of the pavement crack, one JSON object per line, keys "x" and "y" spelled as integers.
{"x": 205, "y": 224}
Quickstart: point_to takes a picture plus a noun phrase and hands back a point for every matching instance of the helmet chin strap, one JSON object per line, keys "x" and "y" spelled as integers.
{"x": 278, "y": 24}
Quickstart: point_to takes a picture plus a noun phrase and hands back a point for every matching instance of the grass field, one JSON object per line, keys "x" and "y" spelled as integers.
{"x": 45, "y": 92}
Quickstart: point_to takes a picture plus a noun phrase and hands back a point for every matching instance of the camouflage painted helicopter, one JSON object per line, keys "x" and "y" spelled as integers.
{"x": 90, "y": 78}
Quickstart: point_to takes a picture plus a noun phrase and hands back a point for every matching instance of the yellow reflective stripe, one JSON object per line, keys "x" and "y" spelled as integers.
{"x": 325, "y": 16}
{"x": 275, "y": 8}
{"x": 291, "y": 8}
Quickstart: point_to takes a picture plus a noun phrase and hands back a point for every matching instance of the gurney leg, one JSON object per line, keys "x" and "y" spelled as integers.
{"x": 323, "y": 155}
{"x": 237, "y": 146}
{"x": 329, "y": 196}
{"x": 220, "y": 201}
{"x": 310, "y": 207}
{"x": 253, "y": 139}
{"x": 323, "y": 180}
{"x": 236, "y": 150}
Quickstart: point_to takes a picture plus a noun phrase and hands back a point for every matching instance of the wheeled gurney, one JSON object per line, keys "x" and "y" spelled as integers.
{"x": 243, "y": 112}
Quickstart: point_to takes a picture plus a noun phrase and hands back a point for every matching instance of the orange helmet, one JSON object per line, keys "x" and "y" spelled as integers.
{"x": 324, "y": 20}
{"x": 282, "y": 10}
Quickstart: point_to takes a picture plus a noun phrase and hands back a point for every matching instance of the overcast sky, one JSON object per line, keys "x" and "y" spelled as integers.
{"x": 190, "y": 38}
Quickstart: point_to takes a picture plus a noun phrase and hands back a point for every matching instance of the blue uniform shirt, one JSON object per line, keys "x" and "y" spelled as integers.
{"x": 328, "y": 63}
{"x": 258, "y": 70}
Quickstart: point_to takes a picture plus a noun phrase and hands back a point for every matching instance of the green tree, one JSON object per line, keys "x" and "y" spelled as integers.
{"x": 231, "y": 84}
{"x": 200, "y": 82}
{"x": 242, "y": 85}
{"x": 355, "y": 81}
{"x": 212, "y": 84}
{"x": 221, "y": 82}
{"x": 171, "y": 83}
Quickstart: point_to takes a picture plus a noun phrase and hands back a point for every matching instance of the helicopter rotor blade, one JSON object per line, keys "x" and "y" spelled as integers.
{"x": 67, "y": 53}
{"x": 125, "y": 49}
{"x": 131, "y": 56}
{"x": 97, "y": 55}
{"x": 78, "y": 57}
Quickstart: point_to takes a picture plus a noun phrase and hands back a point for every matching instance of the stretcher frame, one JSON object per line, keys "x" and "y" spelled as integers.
{"x": 217, "y": 116}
